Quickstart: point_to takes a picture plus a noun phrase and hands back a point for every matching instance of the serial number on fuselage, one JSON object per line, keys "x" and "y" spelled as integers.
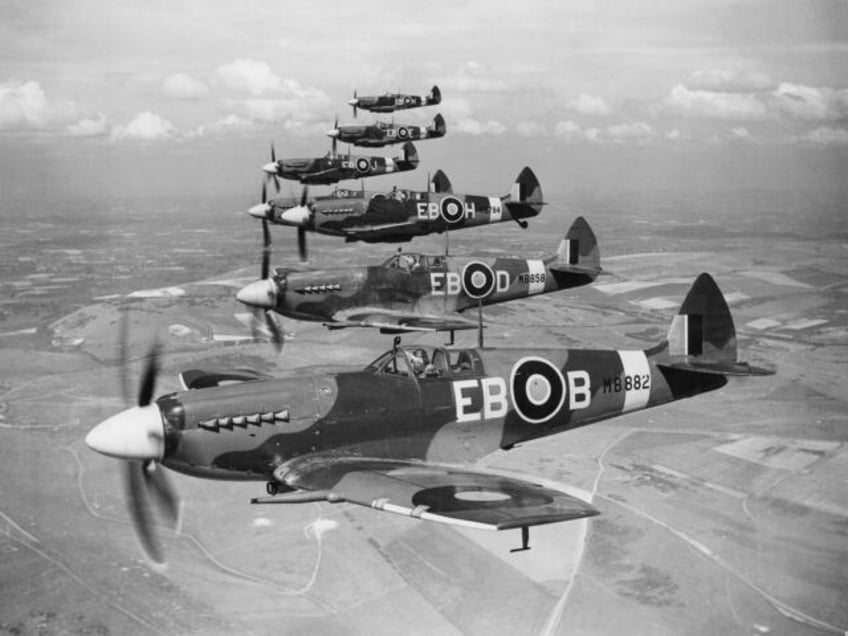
{"x": 635, "y": 382}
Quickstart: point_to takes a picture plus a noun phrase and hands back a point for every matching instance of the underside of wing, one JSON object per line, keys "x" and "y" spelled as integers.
{"x": 389, "y": 320}
{"x": 443, "y": 494}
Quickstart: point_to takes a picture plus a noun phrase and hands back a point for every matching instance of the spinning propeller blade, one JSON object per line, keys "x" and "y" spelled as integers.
{"x": 137, "y": 436}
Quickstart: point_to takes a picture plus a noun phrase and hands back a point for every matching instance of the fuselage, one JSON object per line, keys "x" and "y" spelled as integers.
{"x": 466, "y": 404}
{"x": 428, "y": 284}
{"x": 400, "y": 215}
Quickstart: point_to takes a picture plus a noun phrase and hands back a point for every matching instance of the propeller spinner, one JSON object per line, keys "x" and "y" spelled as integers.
{"x": 137, "y": 436}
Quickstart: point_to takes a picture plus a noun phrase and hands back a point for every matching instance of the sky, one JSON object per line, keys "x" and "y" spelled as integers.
{"x": 183, "y": 97}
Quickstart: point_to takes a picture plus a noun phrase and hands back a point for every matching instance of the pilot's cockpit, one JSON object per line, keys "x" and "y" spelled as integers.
{"x": 423, "y": 361}
{"x": 407, "y": 262}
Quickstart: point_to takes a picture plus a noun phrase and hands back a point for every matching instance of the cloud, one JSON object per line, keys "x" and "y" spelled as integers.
{"x": 250, "y": 77}
{"x": 741, "y": 133}
{"x": 714, "y": 105}
{"x": 809, "y": 103}
{"x": 471, "y": 77}
{"x": 825, "y": 136}
{"x": 473, "y": 127}
{"x": 90, "y": 127}
{"x": 145, "y": 126}
{"x": 230, "y": 123}
{"x": 727, "y": 81}
{"x": 567, "y": 129}
{"x": 589, "y": 105}
{"x": 637, "y": 130}
{"x": 531, "y": 129}
{"x": 24, "y": 106}
{"x": 182, "y": 86}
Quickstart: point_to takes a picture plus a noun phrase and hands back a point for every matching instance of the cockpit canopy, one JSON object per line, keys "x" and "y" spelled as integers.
{"x": 413, "y": 262}
{"x": 424, "y": 361}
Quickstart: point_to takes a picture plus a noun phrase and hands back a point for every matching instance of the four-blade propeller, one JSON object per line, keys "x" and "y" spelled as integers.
{"x": 137, "y": 436}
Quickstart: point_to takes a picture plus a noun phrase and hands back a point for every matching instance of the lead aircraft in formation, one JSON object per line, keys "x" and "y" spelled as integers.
{"x": 390, "y": 102}
{"x": 400, "y": 435}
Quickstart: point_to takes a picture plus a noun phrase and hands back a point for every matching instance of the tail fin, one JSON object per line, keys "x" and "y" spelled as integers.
{"x": 526, "y": 191}
{"x": 578, "y": 252}
{"x": 408, "y": 155}
{"x": 435, "y": 96}
{"x": 441, "y": 183}
{"x": 702, "y": 336}
{"x": 438, "y": 128}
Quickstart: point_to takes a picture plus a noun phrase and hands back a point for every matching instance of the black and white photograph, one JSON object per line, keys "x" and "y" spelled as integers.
{"x": 424, "y": 318}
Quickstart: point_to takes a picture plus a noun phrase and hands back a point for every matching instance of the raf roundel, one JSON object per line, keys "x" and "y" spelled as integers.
{"x": 478, "y": 279}
{"x": 362, "y": 165}
{"x": 407, "y": 100}
{"x": 452, "y": 210}
{"x": 403, "y": 133}
{"x": 538, "y": 389}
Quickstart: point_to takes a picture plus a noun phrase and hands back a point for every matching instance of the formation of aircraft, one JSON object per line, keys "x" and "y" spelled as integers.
{"x": 334, "y": 167}
{"x": 383, "y": 133}
{"x": 390, "y": 102}
{"x": 400, "y": 435}
{"x": 400, "y": 214}
{"x": 421, "y": 292}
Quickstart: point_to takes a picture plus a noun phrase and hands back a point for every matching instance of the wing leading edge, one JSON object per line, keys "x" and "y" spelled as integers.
{"x": 443, "y": 494}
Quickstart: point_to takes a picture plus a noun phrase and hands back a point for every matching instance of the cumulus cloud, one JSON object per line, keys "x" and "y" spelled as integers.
{"x": 637, "y": 130}
{"x": 531, "y": 129}
{"x": 811, "y": 104}
{"x": 473, "y": 127}
{"x": 25, "y": 106}
{"x": 472, "y": 77}
{"x": 249, "y": 76}
{"x": 589, "y": 105}
{"x": 714, "y": 105}
{"x": 182, "y": 86}
{"x": 825, "y": 136}
{"x": 263, "y": 96}
{"x": 230, "y": 123}
{"x": 741, "y": 133}
{"x": 90, "y": 127}
{"x": 567, "y": 129}
{"x": 727, "y": 81}
{"x": 145, "y": 126}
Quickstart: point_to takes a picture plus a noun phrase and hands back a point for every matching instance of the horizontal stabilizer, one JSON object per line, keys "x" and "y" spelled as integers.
{"x": 740, "y": 369}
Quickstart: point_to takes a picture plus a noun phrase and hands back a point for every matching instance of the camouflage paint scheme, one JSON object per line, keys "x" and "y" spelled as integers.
{"x": 334, "y": 167}
{"x": 393, "y": 439}
{"x": 390, "y": 102}
{"x": 420, "y": 292}
{"x": 401, "y": 214}
{"x": 383, "y": 133}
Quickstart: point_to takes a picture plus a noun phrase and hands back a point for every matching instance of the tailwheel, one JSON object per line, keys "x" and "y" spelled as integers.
{"x": 272, "y": 488}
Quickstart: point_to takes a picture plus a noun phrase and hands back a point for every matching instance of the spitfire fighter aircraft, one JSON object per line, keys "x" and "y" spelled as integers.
{"x": 419, "y": 292}
{"x": 384, "y": 133}
{"x": 400, "y": 214}
{"x": 333, "y": 167}
{"x": 399, "y": 435}
{"x": 390, "y": 102}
